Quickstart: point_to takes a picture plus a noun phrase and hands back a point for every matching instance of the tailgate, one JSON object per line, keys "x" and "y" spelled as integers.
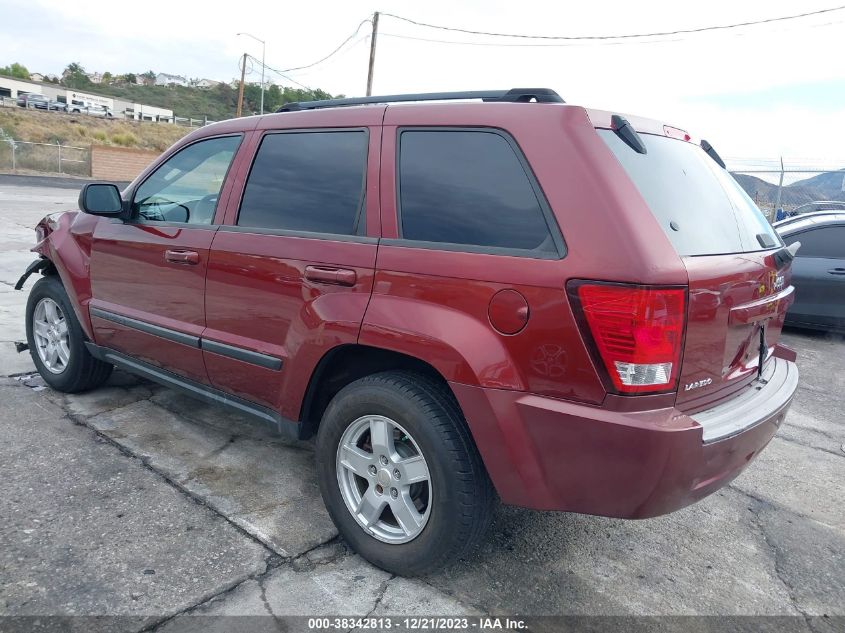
{"x": 738, "y": 296}
{"x": 736, "y": 304}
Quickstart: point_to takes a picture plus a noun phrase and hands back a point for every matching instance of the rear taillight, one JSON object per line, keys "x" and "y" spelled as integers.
{"x": 638, "y": 333}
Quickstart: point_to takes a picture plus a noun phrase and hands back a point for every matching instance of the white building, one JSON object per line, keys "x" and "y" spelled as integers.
{"x": 87, "y": 100}
{"x": 141, "y": 112}
{"x": 12, "y": 88}
{"x": 163, "y": 79}
{"x": 206, "y": 84}
{"x": 36, "y": 77}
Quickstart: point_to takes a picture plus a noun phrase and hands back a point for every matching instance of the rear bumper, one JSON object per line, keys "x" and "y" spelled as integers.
{"x": 550, "y": 454}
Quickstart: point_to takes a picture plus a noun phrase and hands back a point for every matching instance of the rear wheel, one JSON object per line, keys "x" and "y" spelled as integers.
{"x": 400, "y": 475}
{"x": 57, "y": 342}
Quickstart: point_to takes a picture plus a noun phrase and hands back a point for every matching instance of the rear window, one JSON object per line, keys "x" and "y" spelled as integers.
{"x": 699, "y": 205}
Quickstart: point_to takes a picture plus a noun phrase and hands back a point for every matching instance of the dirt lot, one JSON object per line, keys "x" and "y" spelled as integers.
{"x": 138, "y": 502}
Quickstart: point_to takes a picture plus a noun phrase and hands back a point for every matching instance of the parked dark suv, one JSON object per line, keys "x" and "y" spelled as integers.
{"x": 33, "y": 100}
{"x": 505, "y": 296}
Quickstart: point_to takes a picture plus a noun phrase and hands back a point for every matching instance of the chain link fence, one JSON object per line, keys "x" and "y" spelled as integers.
{"x": 20, "y": 156}
{"x": 791, "y": 186}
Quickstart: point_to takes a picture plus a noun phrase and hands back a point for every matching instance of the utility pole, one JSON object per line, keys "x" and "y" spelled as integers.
{"x": 241, "y": 88}
{"x": 263, "y": 50}
{"x": 372, "y": 54}
{"x": 780, "y": 188}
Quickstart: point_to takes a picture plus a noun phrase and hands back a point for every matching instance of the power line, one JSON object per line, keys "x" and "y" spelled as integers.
{"x": 281, "y": 74}
{"x": 565, "y": 44}
{"x": 335, "y": 51}
{"x": 616, "y": 37}
{"x": 516, "y": 45}
{"x": 350, "y": 47}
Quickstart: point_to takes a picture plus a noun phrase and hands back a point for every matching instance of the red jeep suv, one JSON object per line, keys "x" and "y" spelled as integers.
{"x": 463, "y": 295}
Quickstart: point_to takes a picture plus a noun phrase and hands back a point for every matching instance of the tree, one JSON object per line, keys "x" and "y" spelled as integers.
{"x": 130, "y": 78}
{"x": 19, "y": 71}
{"x": 74, "y": 76}
{"x": 107, "y": 78}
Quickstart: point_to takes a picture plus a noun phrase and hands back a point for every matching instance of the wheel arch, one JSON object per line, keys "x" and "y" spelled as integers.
{"x": 343, "y": 365}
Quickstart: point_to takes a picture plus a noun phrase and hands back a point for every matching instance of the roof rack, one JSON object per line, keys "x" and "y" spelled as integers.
{"x": 515, "y": 95}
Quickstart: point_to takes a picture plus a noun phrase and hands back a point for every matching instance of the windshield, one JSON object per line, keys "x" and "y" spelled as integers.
{"x": 699, "y": 205}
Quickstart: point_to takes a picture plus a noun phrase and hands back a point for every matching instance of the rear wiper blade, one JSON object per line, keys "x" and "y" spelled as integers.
{"x": 627, "y": 133}
{"x": 708, "y": 149}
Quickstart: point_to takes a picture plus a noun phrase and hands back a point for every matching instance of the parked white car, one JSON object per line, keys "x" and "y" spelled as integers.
{"x": 100, "y": 111}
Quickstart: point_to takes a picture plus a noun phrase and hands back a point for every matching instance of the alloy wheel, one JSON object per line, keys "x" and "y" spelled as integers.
{"x": 384, "y": 479}
{"x": 50, "y": 334}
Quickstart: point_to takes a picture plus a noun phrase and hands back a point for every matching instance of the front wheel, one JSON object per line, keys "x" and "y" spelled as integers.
{"x": 57, "y": 342}
{"x": 400, "y": 474}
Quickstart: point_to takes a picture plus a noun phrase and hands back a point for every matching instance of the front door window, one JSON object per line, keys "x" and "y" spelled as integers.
{"x": 185, "y": 188}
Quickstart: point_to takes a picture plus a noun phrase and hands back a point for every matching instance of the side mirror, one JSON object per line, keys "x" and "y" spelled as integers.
{"x": 100, "y": 198}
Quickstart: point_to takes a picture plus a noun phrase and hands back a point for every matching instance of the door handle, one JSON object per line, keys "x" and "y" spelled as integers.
{"x": 329, "y": 275}
{"x": 182, "y": 257}
{"x": 837, "y": 271}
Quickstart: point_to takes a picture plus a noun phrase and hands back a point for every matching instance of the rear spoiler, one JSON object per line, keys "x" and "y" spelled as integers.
{"x": 708, "y": 149}
{"x": 785, "y": 255}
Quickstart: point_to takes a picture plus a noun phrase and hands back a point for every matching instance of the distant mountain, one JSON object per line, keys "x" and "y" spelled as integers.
{"x": 765, "y": 193}
{"x": 829, "y": 186}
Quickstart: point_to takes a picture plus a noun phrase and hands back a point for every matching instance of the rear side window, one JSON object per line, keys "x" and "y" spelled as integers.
{"x": 307, "y": 181}
{"x": 469, "y": 188}
{"x": 699, "y": 205}
{"x": 827, "y": 242}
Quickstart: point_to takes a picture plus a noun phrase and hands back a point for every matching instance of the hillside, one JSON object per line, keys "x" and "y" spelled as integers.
{"x": 765, "y": 193}
{"x": 830, "y": 186}
{"x": 51, "y": 127}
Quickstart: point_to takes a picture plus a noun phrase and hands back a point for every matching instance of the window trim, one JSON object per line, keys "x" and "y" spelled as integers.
{"x": 360, "y": 214}
{"x": 816, "y": 227}
{"x": 314, "y": 235}
{"x": 560, "y": 250}
{"x": 134, "y": 219}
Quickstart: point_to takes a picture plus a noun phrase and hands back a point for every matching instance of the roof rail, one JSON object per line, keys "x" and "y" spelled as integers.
{"x": 515, "y": 95}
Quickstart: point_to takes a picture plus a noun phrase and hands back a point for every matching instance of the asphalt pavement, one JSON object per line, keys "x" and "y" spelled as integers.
{"x": 135, "y": 501}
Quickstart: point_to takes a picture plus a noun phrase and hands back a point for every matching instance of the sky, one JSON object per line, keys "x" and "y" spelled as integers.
{"x": 756, "y": 93}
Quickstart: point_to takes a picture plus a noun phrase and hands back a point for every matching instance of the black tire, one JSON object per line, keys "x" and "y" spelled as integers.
{"x": 463, "y": 497}
{"x": 83, "y": 371}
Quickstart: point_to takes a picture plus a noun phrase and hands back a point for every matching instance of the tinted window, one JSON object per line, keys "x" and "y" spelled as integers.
{"x": 307, "y": 181}
{"x": 468, "y": 187}
{"x": 828, "y": 242}
{"x": 684, "y": 186}
{"x": 186, "y": 186}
